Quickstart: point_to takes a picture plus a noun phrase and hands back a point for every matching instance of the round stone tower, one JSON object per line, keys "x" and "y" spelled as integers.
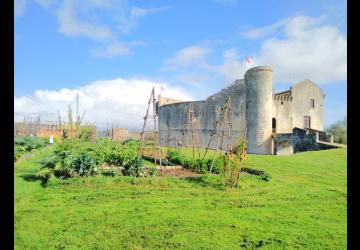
{"x": 259, "y": 92}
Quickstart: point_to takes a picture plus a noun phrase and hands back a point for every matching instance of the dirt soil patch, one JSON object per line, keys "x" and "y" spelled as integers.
{"x": 181, "y": 172}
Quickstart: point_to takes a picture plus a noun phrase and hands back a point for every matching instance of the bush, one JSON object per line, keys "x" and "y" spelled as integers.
{"x": 131, "y": 142}
{"x": 49, "y": 161}
{"x": 18, "y": 151}
{"x": 339, "y": 131}
{"x": 135, "y": 167}
{"x": 83, "y": 164}
{"x": 175, "y": 157}
{"x": 44, "y": 175}
{"x": 198, "y": 165}
{"x": 63, "y": 172}
{"x": 74, "y": 157}
{"x": 86, "y": 133}
{"x": 152, "y": 171}
{"x": 29, "y": 142}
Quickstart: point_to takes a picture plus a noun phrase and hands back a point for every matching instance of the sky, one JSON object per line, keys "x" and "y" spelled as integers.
{"x": 112, "y": 52}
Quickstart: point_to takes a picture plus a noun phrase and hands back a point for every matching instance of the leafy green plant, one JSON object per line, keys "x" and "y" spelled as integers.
{"x": 29, "y": 142}
{"x": 49, "y": 161}
{"x": 83, "y": 164}
{"x": 18, "y": 151}
{"x": 135, "y": 167}
{"x": 131, "y": 142}
{"x": 44, "y": 175}
{"x": 152, "y": 171}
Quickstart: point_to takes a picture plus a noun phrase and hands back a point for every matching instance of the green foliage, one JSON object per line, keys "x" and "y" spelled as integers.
{"x": 49, "y": 161}
{"x": 86, "y": 133}
{"x": 29, "y": 142}
{"x": 131, "y": 142}
{"x": 339, "y": 131}
{"x": 18, "y": 151}
{"x": 152, "y": 171}
{"x": 231, "y": 168}
{"x": 44, "y": 175}
{"x": 76, "y": 157}
{"x": 175, "y": 157}
{"x": 82, "y": 163}
{"x": 134, "y": 167}
{"x": 63, "y": 172}
{"x": 198, "y": 165}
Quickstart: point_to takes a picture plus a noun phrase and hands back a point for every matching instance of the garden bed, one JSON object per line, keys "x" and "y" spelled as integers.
{"x": 177, "y": 172}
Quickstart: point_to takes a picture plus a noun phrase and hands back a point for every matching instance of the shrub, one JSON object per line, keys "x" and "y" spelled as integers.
{"x": 131, "y": 142}
{"x": 49, "y": 161}
{"x": 44, "y": 175}
{"x": 29, "y": 143}
{"x": 86, "y": 133}
{"x": 83, "y": 164}
{"x": 152, "y": 171}
{"x": 18, "y": 151}
{"x": 339, "y": 131}
{"x": 63, "y": 172}
{"x": 135, "y": 167}
{"x": 175, "y": 157}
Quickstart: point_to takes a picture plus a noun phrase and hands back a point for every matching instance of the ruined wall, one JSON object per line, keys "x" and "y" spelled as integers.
{"x": 172, "y": 117}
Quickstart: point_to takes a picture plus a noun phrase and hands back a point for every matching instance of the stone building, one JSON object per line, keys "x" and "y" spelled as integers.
{"x": 269, "y": 118}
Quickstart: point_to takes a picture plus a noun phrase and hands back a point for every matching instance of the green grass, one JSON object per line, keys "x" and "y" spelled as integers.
{"x": 303, "y": 206}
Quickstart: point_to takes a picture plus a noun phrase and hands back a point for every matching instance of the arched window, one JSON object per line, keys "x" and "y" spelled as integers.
{"x": 273, "y": 125}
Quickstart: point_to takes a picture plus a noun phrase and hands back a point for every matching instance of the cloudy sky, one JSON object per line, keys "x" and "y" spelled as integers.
{"x": 112, "y": 52}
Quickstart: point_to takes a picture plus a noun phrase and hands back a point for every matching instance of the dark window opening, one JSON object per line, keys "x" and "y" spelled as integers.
{"x": 282, "y": 103}
{"x": 312, "y": 103}
{"x": 307, "y": 122}
{"x": 273, "y": 125}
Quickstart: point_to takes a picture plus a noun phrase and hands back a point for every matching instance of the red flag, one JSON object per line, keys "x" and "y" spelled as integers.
{"x": 248, "y": 60}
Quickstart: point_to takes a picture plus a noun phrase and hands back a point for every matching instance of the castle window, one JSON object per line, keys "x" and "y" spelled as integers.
{"x": 306, "y": 121}
{"x": 312, "y": 103}
{"x": 282, "y": 103}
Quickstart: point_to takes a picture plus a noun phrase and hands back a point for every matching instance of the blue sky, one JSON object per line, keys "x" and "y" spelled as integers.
{"x": 192, "y": 48}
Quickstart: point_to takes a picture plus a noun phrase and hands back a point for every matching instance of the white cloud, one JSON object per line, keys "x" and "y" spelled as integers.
{"x": 130, "y": 17}
{"x": 97, "y": 20}
{"x": 121, "y": 101}
{"x": 71, "y": 25}
{"x": 231, "y": 68}
{"x": 257, "y": 33}
{"x": 309, "y": 50}
{"x": 19, "y": 7}
{"x": 186, "y": 56}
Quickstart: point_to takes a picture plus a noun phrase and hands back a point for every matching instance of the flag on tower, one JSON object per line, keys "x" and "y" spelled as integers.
{"x": 248, "y": 60}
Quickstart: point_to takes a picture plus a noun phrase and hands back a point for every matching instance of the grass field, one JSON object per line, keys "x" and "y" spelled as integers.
{"x": 303, "y": 206}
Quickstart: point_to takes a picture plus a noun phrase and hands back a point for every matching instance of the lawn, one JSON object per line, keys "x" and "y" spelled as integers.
{"x": 302, "y": 206}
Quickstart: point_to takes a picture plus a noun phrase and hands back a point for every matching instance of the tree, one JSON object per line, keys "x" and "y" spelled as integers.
{"x": 339, "y": 131}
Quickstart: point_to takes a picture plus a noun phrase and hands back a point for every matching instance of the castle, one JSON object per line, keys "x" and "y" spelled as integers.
{"x": 275, "y": 123}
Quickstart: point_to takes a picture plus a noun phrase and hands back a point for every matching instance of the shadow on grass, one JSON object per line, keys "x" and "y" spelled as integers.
{"x": 206, "y": 181}
{"x": 29, "y": 177}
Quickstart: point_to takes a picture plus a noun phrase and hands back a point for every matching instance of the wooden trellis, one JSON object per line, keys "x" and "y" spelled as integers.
{"x": 190, "y": 133}
{"x": 150, "y": 147}
{"x": 222, "y": 130}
